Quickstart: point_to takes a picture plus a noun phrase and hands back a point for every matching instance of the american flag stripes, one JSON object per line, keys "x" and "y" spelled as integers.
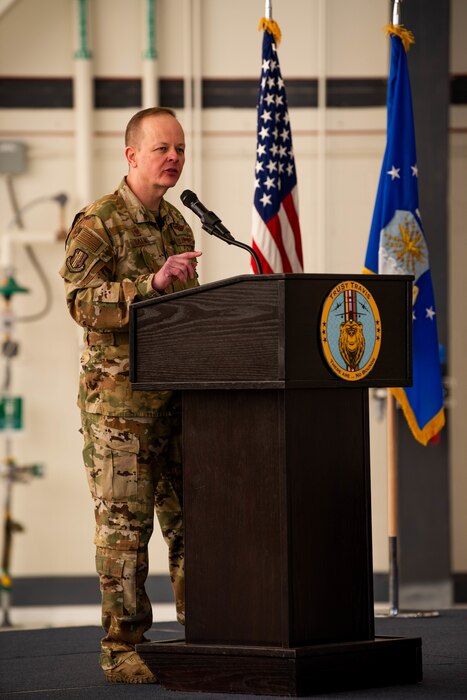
{"x": 275, "y": 227}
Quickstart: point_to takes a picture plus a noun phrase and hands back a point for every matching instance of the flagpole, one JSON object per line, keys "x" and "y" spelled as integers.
{"x": 393, "y": 527}
{"x": 391, "y": 428}
{"x": 392, "y": 468}
{"x": 396, "y": 12}
{"x": 268, "y": 9}
{"x": 392, "y": 505}
{"x": 392, "y": 465}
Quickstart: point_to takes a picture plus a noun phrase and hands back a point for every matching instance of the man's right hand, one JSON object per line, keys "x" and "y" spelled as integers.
{"x": 177, "y": 267}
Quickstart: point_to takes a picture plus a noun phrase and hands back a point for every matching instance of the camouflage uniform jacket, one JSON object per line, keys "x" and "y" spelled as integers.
{"x": 112, "y": 250}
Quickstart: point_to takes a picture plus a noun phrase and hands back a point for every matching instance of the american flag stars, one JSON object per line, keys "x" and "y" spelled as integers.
{"x": 275, "y": 165}
{"x": 275, "y": 223}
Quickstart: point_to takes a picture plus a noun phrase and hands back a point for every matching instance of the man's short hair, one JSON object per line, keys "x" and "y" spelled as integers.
{"x": 134, "y": 124}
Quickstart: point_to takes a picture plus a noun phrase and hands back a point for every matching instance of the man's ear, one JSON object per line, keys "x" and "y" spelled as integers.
{"x": 130, "y": 153}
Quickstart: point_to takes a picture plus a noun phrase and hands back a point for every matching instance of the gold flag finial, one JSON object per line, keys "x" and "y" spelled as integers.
{"x": 405, "y": 35}
{"x": 271, "y": 26}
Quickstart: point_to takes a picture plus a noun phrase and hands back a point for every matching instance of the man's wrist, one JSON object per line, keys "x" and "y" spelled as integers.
{"x": 154, "y": 284}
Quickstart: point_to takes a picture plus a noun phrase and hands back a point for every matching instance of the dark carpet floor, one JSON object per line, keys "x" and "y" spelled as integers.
{"x": 62, "y": 663}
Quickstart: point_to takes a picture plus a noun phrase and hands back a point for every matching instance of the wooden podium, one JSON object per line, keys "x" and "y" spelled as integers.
{"x": 279, "y": 593}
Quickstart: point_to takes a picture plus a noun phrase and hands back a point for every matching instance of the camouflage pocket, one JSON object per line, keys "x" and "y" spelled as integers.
{"x": 153, "y": 258}
{"x": 111, "y": 461}
{"x": 118, "y": 583}
{"x": 111, "y": 567}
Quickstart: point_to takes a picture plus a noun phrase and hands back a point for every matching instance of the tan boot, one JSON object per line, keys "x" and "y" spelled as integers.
{"x": 131, "y": 670}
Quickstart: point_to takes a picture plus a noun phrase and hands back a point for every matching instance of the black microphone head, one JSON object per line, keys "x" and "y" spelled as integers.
{"x": 61, "y": 198}
{"x": 188, "y": 198}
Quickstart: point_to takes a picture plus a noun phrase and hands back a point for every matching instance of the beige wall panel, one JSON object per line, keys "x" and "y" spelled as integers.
{"x": 379, "y": 482}
{"x": 170, "y": 39}
{"x": 118, "y": 36}
{"x": 355, "y": 41}
{"x": 457, "y": 38}
{"x": 37, "y": 38}
{"x": 457, "y": 292}
{"x": 232, "y": 45}
{"x": 56, "y": 510}
{"x": 353, "y": 163}
{"x": 457, "y": 348}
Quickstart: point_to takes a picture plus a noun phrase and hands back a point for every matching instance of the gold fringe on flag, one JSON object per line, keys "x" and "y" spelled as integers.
{"x": 430, "y": 430}
{"x": 405, "y": 35}
{"x": 271, "y": 26}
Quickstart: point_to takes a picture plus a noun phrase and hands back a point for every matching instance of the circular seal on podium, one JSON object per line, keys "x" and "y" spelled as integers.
{"x": 350, "y": 330}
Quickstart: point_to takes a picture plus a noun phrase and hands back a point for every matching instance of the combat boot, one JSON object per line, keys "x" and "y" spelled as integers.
{"x": 131, "y": 670}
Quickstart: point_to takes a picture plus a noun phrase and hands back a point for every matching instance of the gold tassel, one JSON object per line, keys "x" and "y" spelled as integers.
{"x": 404, "y": 34}
{"x": 271, "y": 26}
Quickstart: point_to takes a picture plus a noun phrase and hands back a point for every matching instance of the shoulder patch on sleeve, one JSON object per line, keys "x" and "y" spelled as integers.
{"x": 89, "y": 240}
{"x": 87, "y": 252}
{"x": 77, "y": 261}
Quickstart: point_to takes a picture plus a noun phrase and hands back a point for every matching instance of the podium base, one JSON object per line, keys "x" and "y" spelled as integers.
{"x": 297, "y": 671}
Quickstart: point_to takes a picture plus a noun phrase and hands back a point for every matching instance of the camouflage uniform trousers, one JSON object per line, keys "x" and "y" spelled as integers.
{"x": 133, "y": 466}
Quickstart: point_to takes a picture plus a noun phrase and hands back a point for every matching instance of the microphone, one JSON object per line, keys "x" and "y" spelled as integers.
{"x": 61, "y": 198}
{"x": 211, "y": 222}
{"x": 213, "y": 225}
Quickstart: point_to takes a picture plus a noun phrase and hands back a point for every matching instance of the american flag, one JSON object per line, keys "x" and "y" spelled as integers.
{"x": 276, "y": 228}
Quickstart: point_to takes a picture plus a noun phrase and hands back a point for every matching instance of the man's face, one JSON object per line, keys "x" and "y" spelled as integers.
{"x": 157, "y": 158}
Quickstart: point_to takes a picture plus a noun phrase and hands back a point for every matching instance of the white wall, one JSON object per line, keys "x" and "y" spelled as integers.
{"x": 39, "y": 39}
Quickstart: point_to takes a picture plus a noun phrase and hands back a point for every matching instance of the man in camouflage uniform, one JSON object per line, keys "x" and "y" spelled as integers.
{"x": 128, "y": 246}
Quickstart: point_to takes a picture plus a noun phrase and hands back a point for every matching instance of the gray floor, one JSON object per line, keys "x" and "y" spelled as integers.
{"x": 62, "y": 662}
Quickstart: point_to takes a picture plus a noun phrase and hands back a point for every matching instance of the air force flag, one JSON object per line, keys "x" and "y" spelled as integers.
{"x": 397, "y": 245}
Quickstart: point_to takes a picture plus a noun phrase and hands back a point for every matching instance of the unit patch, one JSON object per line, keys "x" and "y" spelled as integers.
{"x": 77, "y": 261}
{"x": 350, "y": 330}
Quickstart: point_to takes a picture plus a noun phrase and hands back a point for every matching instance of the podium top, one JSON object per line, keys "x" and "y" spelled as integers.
{"x": 266, "y": 331}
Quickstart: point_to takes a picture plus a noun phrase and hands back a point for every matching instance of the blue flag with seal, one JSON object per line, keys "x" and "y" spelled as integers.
{"x": 397, "y": 245}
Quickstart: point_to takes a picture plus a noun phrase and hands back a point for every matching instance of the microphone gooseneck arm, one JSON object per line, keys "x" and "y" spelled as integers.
{"x": 232, "y": 241}
{"x": 213, "y": 225}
